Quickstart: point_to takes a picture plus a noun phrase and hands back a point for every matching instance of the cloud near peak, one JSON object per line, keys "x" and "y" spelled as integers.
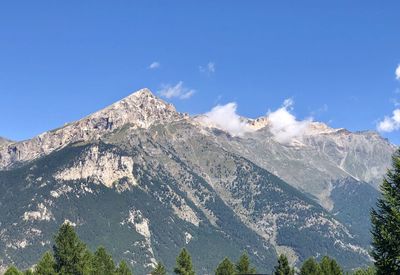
{"x": 398, "y": 72}
{"x": 284, "y": 125}
{"x": 390, "y": 123}
{"x": 226, "y": 118}
{"x": 177, "y": 91}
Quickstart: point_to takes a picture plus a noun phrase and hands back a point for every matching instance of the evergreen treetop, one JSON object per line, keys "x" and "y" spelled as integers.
{"x": 386, "y": 222}
{"x": 184, "y": 264}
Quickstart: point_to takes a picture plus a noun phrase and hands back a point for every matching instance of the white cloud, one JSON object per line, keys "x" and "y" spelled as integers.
{"x": 284, "y": 125}
{"x": 178, "y": 91}
{"x": 226, "y": 118}
{"x": 398, "y": 72}
{"x": 209, "y": 68}
{"x": 154, "y": 65}
{"x": 390, "y": 124}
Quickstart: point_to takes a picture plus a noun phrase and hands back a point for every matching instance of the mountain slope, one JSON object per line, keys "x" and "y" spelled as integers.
{"x": 145, "y": 180}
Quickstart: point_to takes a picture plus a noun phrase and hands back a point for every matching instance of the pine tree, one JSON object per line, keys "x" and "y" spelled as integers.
{"x": 123, "y": 269}
{"x": 159, "y": 269}
{"x": 283, "y": 267}
{"x": 367, "y": 271}
{"x": 386, "y": 222}
{"x": 70, "y": 253}
{"x": 243, "y": 265}
{"x": 330, "y": 266}
{"x": 310, "y": 267}
{"x": 46, "y": 265}
{"x": 28, "y": 272}
{"x": 184, "y": 264}
{"x": 226, "y": 267}
{"x": 12, "y": 270}
{"x": 102, "y": 262}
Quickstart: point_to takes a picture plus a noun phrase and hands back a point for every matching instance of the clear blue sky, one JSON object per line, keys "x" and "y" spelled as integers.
{"x": 61, "y": 60}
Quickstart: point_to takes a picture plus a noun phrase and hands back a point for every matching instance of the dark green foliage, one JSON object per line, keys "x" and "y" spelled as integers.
{"x": 243, "y": 265}
{"x": 226, "y": 267}
{"x": 367, "y": 271}
{"x": 102, "y": 262}
{"x": 184, "y": 264}
{"x": 123, "y": 269}
{"x": 386, "y": 223}
{"x": 159, "y": 269}
{"x": 330, "y": 266}
{"x": 46, "y": 265}
{"x": 283, "y": 267}
{"x": 70, "y": 252}
{"x": 12, "y": 270}
{"x": 310, "y": 267}
{"x": 29, "y": 272}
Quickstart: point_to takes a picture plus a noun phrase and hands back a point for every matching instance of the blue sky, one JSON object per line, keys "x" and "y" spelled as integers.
{"x": 61, "y": 60}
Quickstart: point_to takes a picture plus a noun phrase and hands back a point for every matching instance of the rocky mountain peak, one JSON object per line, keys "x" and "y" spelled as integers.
{"x": 140, "y": 110}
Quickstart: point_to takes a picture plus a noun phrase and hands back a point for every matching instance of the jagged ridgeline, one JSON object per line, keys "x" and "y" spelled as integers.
{"x": 144, "y": 180}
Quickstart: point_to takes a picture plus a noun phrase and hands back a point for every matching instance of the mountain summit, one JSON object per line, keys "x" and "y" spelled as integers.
{"x": 138, "y": 110}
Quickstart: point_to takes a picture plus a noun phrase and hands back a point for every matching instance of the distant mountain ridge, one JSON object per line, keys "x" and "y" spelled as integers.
{"x": 145, "y": 180}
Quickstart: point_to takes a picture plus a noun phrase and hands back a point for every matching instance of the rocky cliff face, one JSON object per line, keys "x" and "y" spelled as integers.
{"x": 145, "y": 180}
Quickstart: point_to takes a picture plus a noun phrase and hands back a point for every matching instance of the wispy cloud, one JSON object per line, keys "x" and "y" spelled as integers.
{"x": 209, "y": 68}
{"x": 177, "y": 91}
{"x": 284, "y": 125}
{"x": 226, "y": 118}
{"x": 398, "y": 72}
{"x": 390, "y": 123}
{"x": 154, "y": 65}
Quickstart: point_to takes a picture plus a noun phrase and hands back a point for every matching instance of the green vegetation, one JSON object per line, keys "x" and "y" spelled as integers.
{"x": 283, "y": 267}
{"x": 386, "y": 223}
{"x": 70, "y": 256}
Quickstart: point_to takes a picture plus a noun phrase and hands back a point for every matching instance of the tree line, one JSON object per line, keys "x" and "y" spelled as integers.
{"x": 70, "y": 256}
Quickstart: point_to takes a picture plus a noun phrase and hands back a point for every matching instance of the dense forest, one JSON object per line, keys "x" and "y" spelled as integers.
{"x": 70, "y": 256}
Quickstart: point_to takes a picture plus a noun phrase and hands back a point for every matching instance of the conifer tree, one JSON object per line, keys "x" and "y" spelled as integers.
{"x": 46, "y": 265}
{"x": 310, "y": 267}
{"x": 283, "y": 267}
{"x": 12, "y": 270}
{"x": 159, "y": 269}
{"x": 102, "y": 262}
{"x": 330, "y": 267}
{"x": 28, "y": 272}
{"x": 386, "y": 222}
{"x": 123, "y": 269}
{"x": 70, "y": 253}
{"x": 226, "y": 267}
{"x": 243, "y": 265}
{"x": 184, "y": 264}
{"x": 367, "y": 271}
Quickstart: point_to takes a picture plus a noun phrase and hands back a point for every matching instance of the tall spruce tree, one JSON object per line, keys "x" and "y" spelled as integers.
{"x": 184, "y": 264}
{"x": 386, "y": 222}
{"x": 46, "y": 265}
{"x": 330, "y": 267}
{"x": 159, "y": 269}
{"x": 310, "y": 267}
{"x": 283, "y": 267}
{"x": 123, "y": 269}
{"x": 70, "y": 253}
{"x": 243, "y": 265}
{"x": 102, "y": 262}
{"x": 226, "y": 267}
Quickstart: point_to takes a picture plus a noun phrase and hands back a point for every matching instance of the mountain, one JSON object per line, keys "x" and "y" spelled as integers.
{"x": 4, "y": 141}
{"x": 144, "y": 180}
